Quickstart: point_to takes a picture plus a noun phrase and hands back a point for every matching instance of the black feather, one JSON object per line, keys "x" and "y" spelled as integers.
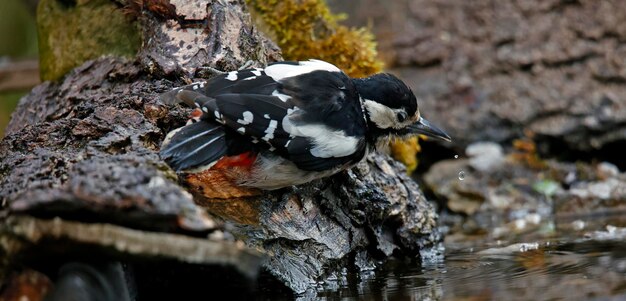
{"x": 321, "y": 97}
{"x": 329, "y": 98}
{"x": 247, "y": 82}
{"x": 264, "y": 109}
{"x": 197, "y": 144}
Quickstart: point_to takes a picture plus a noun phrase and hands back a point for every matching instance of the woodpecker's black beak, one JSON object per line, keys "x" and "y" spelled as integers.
{"x": 423, "y": 127}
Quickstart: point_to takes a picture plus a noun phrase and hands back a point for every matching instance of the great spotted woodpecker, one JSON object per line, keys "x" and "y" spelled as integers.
{"x": 289, "y": 123}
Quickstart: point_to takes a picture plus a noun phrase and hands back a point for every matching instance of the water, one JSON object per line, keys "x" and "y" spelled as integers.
{"x": 563, "y": 265}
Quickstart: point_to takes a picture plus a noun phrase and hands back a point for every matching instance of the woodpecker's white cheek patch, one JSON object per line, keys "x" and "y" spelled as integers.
{"x": 232, "y": 76}
{"x": 383, "y": 116}
{"x": 247, "y": 118}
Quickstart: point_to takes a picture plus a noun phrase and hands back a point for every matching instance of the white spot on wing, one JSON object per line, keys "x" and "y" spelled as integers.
{"x": 241, "y": 130}
{"x": 205, "y": 110}
{"x": 250, "y": 78}
{"x": 247, "y": 118}
{"x": 256, "y": 72}
{"x": 266, "y": 116}
{"x": 280, "y": 71}
{"x": 281, "y": 96}
{"x": 232, "y": 76}
{"x": 269, "y": 132}
{"x": 219, "y": 117}
{"x": 195, "y": 87}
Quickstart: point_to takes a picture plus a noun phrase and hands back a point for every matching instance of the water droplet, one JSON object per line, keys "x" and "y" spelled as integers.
{"x": 461, "y": 175}
{"x": 456, "y": 156}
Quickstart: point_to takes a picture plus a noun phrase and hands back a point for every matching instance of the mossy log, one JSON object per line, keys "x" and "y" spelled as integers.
{"x": 82, "y": 153}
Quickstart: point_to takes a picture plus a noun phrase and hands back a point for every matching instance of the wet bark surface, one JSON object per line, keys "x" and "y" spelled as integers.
{"x": 82, "y": 153}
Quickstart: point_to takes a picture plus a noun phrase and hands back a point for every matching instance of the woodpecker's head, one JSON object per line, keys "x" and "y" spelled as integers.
{"x": 392, "y": 109}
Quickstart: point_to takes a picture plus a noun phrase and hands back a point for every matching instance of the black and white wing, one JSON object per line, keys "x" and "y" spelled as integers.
{"x": 308, "y": 112}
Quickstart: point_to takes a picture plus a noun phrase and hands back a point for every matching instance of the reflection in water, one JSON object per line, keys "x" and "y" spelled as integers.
{"x": 569, "y": 269}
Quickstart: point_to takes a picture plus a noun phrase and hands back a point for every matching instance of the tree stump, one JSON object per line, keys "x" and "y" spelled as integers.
{"x": 80, "y": 171}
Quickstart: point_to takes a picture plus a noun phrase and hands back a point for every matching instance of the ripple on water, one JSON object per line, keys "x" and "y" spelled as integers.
{"x": 571, "y": 271}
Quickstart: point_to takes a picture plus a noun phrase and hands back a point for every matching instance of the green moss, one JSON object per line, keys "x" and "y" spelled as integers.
{"x": 72, "y": 32}
{"x": 17, "y": 30}
{"x": 8, "y": 102}
{"x": 307, "y": 29}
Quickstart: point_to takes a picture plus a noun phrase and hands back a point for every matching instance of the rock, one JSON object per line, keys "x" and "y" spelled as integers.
{"x": 510, "y": 249}
{"x": 607, "y": 170}
{"x": 599, "y": 196}
{"x": 484, "y": 156}
{"x": 496, "y": 71}
{"x": 517, "y": 195}
{"x": 612, "y": 233}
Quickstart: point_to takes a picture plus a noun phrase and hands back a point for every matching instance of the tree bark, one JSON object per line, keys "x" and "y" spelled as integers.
{"x": 84, "y": 151}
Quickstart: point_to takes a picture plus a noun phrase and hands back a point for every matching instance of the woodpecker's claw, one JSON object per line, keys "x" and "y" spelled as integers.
{"x": 423, "y": 127}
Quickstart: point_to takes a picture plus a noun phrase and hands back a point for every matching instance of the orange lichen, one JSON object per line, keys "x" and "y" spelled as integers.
{"x": 526, "y": 153}
{"x": 405, "y": 151}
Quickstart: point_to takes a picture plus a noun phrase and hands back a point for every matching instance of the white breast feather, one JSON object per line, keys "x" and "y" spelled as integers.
{"x": 274, "y": 172}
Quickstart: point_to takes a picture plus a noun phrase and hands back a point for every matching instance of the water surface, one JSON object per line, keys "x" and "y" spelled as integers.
{"x": 572, "y": 260}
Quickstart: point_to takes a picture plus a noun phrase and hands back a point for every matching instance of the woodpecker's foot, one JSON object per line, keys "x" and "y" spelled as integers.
{"x": 211, "y": 70}
{"x": 246, "y": 65}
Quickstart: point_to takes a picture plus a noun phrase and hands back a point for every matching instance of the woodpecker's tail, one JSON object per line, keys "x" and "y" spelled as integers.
{"x": 197, "y": 145}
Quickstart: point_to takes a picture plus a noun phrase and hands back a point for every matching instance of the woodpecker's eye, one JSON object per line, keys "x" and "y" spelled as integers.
{"x": 401, "y": 116}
